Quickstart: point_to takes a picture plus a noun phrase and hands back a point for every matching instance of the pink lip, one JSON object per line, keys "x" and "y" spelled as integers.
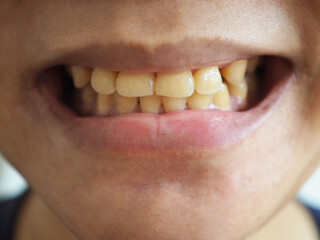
{"x": 182, "y": 131}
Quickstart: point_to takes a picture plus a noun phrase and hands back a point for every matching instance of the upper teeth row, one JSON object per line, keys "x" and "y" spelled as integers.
{"x": 205, "y": 81}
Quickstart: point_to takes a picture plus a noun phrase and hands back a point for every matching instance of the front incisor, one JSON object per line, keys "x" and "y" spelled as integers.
{"x": 234, "y": 73}
{"x": 173, "y": 104}
{"x": 80, "y": 75}
{"x": 150, "y": 104}
{"x": 207, "y": 80}
{"x": 103, "y": 81}
{"x": 199, "y": 101}
{"x": 221, "y": 99}
{"x": 125, "y": 104}
{"x": 240, "y": 90}
{"x": 176, "y": 85}
{"x": 104, "y": 103}
{"x": 135, "y": 85}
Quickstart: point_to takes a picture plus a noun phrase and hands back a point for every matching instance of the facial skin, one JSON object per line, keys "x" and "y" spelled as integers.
{"x": 221, "y": 193}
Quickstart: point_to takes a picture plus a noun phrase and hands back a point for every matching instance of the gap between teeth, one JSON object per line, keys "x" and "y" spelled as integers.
{"x": 106, "y": 92}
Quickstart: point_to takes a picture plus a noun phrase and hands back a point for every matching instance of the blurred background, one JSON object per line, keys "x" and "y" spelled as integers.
{"x": 11, "y": 184}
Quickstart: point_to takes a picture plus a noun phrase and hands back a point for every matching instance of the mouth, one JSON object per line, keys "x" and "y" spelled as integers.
{"x": 205, "y": 108}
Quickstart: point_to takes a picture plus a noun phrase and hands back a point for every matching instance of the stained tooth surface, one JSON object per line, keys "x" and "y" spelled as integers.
{"x": 150, "y": 104}
{"x": 80, "y": 75}
{"x": 176, "y": 85}
{"x": 207, "y": 80}
{"x": 199, "y": 101}
{"x": 173, "y": 104}
{"x": 240, "y": 90}
{"x": 88, "y": 95}
{"x": 234, "y": 73}
{"x": 135, "y": 85}
{"x": 103, "y": 81}
{"x": 125, "y": 104}
{"x": 221, "y": 98}
{"x": 104, "y": 103}
{"x": 253, "y": 64}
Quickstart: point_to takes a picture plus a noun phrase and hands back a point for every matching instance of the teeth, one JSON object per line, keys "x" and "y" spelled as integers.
{"x": 199, "y": 101}
{"x": 221, "y": 98}
{"x": 240, "y": 91}
{"x": 178, "y": 85}
{"x": 88, "y": 95}
{"x": 135, "y": 85}
{"x": 253, "y": 64}
{"x": 234, "y": 73}
{"x": 80, "y": 75}
{"x": 103, "y": 81}
{"x": 207, "y": 80}
{"x": 173, "y": 104}
{"x": 125, "y": 104}
{"x": 104, "y": 103}
{"x": 150, "y": 104}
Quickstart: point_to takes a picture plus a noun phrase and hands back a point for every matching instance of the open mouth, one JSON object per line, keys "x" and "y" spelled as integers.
{"x": 213, "y": 100}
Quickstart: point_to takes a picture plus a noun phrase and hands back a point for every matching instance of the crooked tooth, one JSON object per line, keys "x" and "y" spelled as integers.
{"x": 103, "y": 81}
{"x": 88, "y": 95}
{"x": 135, "y": 85}
{"x": 234, "y": 73}
{"x": 253, "y": 64}
{"x": 173, "y": 104}
{"x": 104, "y": 103}
{"x": 240, "y": 90}
{"x": 125, "y": 104}
{"x": 80, "y": 75}
{"x": 207, "y": 80}
{"x": 199, "y": 101}
{"x": 150, "y": 104}
{"x": 221, "y": 98}
{"x": 177, "y": 85}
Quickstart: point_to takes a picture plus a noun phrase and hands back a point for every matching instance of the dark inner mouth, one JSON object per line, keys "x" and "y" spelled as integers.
{"x": 270, "y": 73}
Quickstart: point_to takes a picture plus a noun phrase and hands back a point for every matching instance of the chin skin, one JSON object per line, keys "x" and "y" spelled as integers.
{"x": 225, "y": 193}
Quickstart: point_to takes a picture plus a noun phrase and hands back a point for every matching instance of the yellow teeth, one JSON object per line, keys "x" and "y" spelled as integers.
{"x": 253, "y": 64}
{"x": 234, "y": 73}
{"x": 173, "y": 104}
{"x": 240, "y": 90}
{"x": 150, "y": 104}
{"x": 221, "y": 98}
{"x": 177, "y": 85}
{"x": 199, "y": 101}
{"x": 103, "y": 81}
{"x": 80, "y": 75}
{"x": 207, "y": 80}
{"x": 104, "y": 103}
{"x": 88, "y": 95}
{"x": 125, "y": 104}
{"x": 135, "y": 85}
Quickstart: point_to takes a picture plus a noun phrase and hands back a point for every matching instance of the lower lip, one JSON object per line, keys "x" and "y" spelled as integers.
{"x": 180, "y": 131}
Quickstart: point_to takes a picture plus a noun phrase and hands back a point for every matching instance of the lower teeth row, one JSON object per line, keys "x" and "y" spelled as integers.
{"x": 103, "y": 92}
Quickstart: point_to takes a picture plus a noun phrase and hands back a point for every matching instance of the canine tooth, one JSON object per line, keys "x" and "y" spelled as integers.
{"x": 173, "y": 104}
{"x": 135, "y": 85}
{"x": 80, "y": 75}
{"x": 150, "y": 104}
{"x": 241, "y": 90}
{"x": 199, "y": 101}
{"x": 207, "y": 80}
{"x": 234, "y": 73}
{"x": 88, "y": 95}
{"x": 176, "y": 85}
{"x": 253, "y": 64}
{"x": 221, "y": 98}
{"x": 103, "y": 81}
{"x": 104, "y": 103}
{"x": 125, "y": 104}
